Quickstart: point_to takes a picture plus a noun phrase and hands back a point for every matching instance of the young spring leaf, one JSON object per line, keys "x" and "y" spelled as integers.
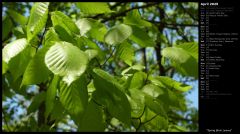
{"x": 66, "y": 60}
{"x": 74, "y": 98}
{"x": 93, "y": 7}
{"x": 14, "y": 48}
{"x": 134, "y": 18}
{"x": 165, "y": 81}
{"x": 118, "y": 34}
{"x": 110, "y": 94}
{"x": 183, "y": 58}
{"x": 141, "y": 37}
{"x": 37, "y": 19}
{"x": 125, "y": 52}
{"x": 18, "y": 18}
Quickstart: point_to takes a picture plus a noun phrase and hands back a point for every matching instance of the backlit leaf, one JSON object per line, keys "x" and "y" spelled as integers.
{"x": 66, "y": 60}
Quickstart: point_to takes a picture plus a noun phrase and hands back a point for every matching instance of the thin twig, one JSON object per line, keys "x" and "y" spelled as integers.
{"x": 150, "y": 119}
{"x": 109, "y": 57}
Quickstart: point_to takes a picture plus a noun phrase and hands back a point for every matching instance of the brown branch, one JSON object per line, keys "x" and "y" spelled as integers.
{"x": 173, "y": 25}
{"x": 186, "y": 11}
{"x": 158, "y": 45}
{"x": 123, "y": 13}
{"x": 144, "y": 58}
{"x": 41, "y": 110}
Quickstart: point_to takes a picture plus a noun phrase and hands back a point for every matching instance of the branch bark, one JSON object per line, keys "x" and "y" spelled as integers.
{"x": 158, "y": 45}
{"x": 123, "y": 13}
{"x": 144, "y": 58}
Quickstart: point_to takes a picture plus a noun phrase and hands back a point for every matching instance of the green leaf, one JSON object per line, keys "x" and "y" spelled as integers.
{"x": 132, "y": 69}
{"x": 7, "y": 27}
{"x": 141, "y": 37}
{"x": 92, "y": 120}
{"x": 14, "y": 48}
{"x": 4, "y": 67}
{"x": 62, "y": 20}
{"x": 137, "y": 80}
{"x": 36, "y": 71}
{"x": 74, "y": 98}
{"x": 66, "y": 60}
{"x": 169, "y": 97}
{"x": 91, "y": 53}
{"x": 169, "y": 83}
{"x": 125, "y": 52}
{"x": 98, "y": 31}
{"x": 50, "y": 96}
{"x": 156, "y": 123}
{"x": 183, "y": 59}
{"x": 109, "y": 93}
{"x": 157, "y": 106}
{"x": 118, "y": 34}
{"x": 37, "y": 20}
{"x": 37, "y": 101}
{"x": 134, "y": 18}
{"x": 93, "y": 7}
{"x": 20, "y": 32}
{"x": 137, "y": 102}
{"x": 20, "y": 62}
{"x": 93, "y": 28}
{"x": 84, "y": 25}
{"x": 152, "y": 90}
{"x": 18, "y": 18}
{"x": 50, "y": 37}
{"x": 191, "y": 48}
{"x": 58, "y": 112}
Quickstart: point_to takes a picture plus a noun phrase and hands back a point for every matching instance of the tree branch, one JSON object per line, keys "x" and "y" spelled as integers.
{"x": 112, "y": 17}
{"x": 173, "y": 25}
{"x": 158, "y": 45}
{"x": 186, "y": 11}
{"x": 144, "y": 58}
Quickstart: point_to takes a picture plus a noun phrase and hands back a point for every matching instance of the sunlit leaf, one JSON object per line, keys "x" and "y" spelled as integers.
{"x": 134, "y": 18}
{"x": 125, "y": 52}
{"x": 183, "y": 58}
{"x": 118, "y": 34}
{"x": 66, "y": 60}
{"x": 14, "y": 48}
{"x": 37, "y": 20}
{"x": 74, "y": 98}
{"x": 93, "y": 7}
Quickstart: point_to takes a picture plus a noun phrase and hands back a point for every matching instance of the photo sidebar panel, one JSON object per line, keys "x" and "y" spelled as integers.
{"x": 218, "y": 68}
